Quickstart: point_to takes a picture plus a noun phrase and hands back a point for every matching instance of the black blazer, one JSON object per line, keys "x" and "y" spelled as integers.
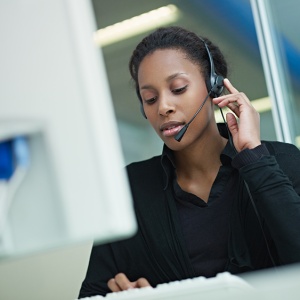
{"x": 157, "y": 251}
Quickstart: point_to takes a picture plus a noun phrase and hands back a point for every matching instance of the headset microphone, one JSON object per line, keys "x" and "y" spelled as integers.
{"x": 182, "y": 131}
{"x": 215, "y": 90}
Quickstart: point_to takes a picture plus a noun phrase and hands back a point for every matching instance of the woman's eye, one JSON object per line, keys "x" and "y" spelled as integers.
{"x": 180, "y": 90}
{"x": 151, "y": 100}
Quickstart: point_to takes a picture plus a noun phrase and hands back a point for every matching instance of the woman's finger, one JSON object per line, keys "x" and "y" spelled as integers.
{"x": 113, "y": 286}
{"x": 120, "y": 283}
{"x": 231, "y": 89}
{"x": 234, "y": 107}
{"x": 123, "y": 282}
{"x": 233, "y": 101}
{"x": 142, "y": 282}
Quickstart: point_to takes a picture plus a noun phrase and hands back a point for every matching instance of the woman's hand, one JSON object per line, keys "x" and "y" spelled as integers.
{"x": 246, "y": 132}
{"x": 120, "y": 283}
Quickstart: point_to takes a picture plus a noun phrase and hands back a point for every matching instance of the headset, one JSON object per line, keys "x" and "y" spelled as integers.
{"x": 215, "y": 83}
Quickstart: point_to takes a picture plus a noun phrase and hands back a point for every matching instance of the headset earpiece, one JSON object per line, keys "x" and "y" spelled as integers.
{"x": 217, "y": 87}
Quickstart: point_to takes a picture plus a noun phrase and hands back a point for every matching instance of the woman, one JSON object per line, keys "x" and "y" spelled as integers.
{"x": 217, "y": 199}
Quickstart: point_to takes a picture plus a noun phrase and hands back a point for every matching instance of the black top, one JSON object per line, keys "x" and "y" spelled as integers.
{"x": 209, "y": 222}
{"x": 159, "y": 251}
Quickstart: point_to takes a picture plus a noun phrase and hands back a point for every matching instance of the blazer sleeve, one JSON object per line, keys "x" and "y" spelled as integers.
{"x": 101, "y": 268}
{"x": 273, "y": 178}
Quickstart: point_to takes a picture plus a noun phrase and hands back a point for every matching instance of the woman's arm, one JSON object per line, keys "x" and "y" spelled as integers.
{"x": 274, "y": 183}
{"x": 273, "y": 179}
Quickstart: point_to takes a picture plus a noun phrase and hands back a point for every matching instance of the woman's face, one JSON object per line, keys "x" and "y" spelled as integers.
{"x": 172, "y": 90}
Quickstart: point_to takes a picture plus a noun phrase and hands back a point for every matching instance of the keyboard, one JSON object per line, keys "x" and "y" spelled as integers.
{"x": 223, "y": 286}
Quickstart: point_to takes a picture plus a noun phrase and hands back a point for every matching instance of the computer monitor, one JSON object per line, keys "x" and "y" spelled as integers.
{"x": 55, "y": 95}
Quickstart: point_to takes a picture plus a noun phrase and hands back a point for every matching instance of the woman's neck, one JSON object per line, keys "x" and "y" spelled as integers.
{"x": 201, "y": 157}
{"x": 198, "y": 166}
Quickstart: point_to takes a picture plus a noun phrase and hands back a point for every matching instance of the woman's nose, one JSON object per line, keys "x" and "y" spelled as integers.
{"x": 165, "y": 107}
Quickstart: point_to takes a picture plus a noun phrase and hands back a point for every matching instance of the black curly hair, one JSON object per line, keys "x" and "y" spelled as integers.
{"x": 174, "y": 37}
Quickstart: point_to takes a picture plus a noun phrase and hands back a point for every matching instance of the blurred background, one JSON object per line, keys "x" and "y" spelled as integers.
{"x": 231, "y": 25}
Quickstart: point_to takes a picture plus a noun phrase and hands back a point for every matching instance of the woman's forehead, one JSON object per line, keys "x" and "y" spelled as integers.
{"x": 166, "y": 62}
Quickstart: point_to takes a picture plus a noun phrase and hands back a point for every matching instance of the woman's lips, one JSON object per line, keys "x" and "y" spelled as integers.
{"x": 171, "y": 128}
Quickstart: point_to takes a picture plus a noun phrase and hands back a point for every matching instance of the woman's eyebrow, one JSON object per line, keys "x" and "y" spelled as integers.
{"x": 175, "y": 75}
{"x": 170, "y": 77}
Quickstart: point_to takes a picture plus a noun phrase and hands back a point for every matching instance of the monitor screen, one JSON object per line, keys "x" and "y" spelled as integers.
{"x": 56, "y": 105}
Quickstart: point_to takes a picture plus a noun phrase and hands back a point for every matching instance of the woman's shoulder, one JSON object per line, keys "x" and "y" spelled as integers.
{"x": 145, "y": 170}
{"x": 150, "y": 163}
{"x": 277, "y": 148}
{"x": 146, "y": 176}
